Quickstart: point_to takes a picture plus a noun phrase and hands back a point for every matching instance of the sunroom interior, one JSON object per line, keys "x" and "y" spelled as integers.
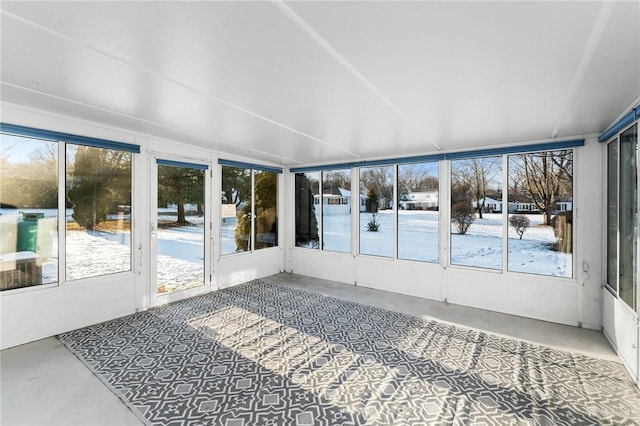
{"x": 481, "y": 154}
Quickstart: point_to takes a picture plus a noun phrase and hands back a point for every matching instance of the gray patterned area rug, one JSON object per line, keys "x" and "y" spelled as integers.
{"x": 267, "y": 354}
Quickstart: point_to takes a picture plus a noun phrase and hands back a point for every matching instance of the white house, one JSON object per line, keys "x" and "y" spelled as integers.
{"x": 335, "y": 204}
{"x": 419, "y": 200}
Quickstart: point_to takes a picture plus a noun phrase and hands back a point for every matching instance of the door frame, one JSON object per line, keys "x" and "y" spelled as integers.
{"x": 154, "y": 298}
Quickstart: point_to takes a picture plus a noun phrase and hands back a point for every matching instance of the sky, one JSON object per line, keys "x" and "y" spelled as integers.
{"x": 18, "y": 148}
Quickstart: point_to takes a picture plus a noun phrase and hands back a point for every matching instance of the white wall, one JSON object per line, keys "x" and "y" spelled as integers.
{"x": 33, "y": 313}
{"x": 620, "y": 326}
{"x": 574, "y": 301}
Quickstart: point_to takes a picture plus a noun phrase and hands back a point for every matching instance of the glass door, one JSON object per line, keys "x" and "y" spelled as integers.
{"x": 179, "y": 231}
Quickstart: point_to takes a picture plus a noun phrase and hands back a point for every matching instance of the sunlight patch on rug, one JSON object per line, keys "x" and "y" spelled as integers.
{"x": 262, "y": 353}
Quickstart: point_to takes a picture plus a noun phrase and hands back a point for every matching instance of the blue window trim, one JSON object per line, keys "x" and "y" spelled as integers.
{"x": 241, "y": 165}
{"x": 405, "y": 160}
{"x": 548, "y": 146}
{"x": 32, "y": 132}
{"x": 371, "y": 163}
{"x": 544, "y": 146}
{"x": 626, "y": 120}
{"x": 172, "y": 163}
{"x": 341, "y": 166}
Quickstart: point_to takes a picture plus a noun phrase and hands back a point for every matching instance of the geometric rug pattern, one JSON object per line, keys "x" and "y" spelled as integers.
{"x": 267, "y": 354}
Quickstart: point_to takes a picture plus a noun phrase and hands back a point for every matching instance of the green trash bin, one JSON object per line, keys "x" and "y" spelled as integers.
{"x": 28, "y": 232}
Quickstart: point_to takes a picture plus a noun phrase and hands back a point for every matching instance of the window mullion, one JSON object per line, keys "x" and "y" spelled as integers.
{"x": 444, "y": 219}
{"x": 321, "y": 211}
{"x": 395, "y": 211}
{"x": 355, "y": 214}
{"x": 505, "y": 214}
{"x": 62, "y": 213}
{"x": 253, "y": 211}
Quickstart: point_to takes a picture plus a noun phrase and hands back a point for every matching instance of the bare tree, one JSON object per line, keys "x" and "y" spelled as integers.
{"x": 429, "y": 183}
{"x": 380, "y": 181}
{"x": 520, "y": 223}
{"x": 547, "y": 177}
{"x": 478, "y": 174}
{"x": 461, "y": 209}
{"x": 333, "y": 181}
{"x": 411, "y": 177}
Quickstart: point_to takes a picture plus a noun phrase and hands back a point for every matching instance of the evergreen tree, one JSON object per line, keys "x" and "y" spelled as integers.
{"x": 372, "y": 201}
{"x": 306, "y": 222}
{"x": 236, "y": 184}
{"x": 462, "y": 215}
{"x": 265, "y": 205}
{"x": 101, "y": 179}
{"x": 180, "y": 186}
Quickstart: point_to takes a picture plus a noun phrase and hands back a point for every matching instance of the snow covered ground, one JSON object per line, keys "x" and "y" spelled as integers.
{"x": 480, "y": 247}
{"x": 181, "y": 249}
{"x": 180, "y": 263}
{"x": 93, "y": 253}
{"x": 227, "y": 235}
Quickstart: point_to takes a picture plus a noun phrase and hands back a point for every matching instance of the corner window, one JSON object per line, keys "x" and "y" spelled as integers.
{"x": 612, "y": 215}
{"x": 541, "y": 213}
{"x": 622, "y": 216}
{"x": 266, "y": 209}
{"x": 247, "y": 194}
{"x": 236, "y": 196}
{"x": 628, "y": 218}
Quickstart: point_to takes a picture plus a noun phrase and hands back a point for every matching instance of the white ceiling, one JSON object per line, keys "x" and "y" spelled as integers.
{"x": 318, "y": 82}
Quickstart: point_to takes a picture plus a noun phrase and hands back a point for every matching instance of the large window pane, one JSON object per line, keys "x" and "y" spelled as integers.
{"x": 181, "y": 232}
{"x": 541, "y": 213}
{"x": 376, "y": 211}
{"x": 628, "y": 252}
{"x": 28, "y": 212}
{"x": 336, "y": 210}
{"x": 476, "y": 212}
{"x": 307, "y": 209}
{"x": 612, "y": 215}
{"x": 418, "y": 212}
{"x": 98, "y": 230}
{"x": 236, "y": 200}
{"x": 266, "y": 209}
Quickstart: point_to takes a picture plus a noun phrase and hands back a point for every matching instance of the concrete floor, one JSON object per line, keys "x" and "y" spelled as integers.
{"x": 42, "y": 383}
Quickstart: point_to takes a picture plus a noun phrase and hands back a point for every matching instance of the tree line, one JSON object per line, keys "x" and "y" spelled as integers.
{"x": 97, "y": 182}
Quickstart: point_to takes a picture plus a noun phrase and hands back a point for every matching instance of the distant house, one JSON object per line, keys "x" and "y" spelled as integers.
{"x": 492, "y": 205}
{"x": 424, "y": 200}
{"x": 523, "y": 207}
{"x": 531, "y": 208}
{"x": 563, "y": 206}
{"x": 363, "y": 202}
{"x": 337, "y": 204}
